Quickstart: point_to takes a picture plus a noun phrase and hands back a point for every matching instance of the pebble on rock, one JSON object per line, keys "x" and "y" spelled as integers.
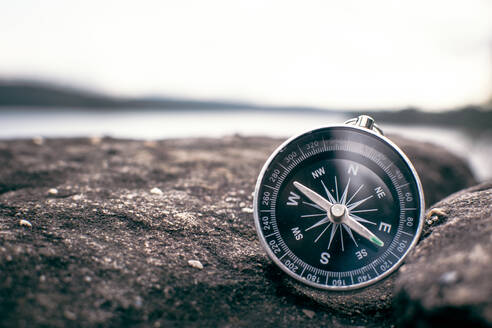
{"x": 310, "y": 314}
{"x": 449, "y": 277}
{"x": 156, "y": 191}
{"x": 95, "y": 140}
{"x": 25, "y": 223}
{"x": 53, "y": 191}
{"x": 38, "y": 140}
{"x": 195, "y": 264}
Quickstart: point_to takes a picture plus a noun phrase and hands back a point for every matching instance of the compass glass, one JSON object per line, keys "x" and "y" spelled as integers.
{"x": 338, "y": 208}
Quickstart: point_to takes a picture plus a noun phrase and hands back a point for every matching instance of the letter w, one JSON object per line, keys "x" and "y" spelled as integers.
{"x": 293, "y": 198}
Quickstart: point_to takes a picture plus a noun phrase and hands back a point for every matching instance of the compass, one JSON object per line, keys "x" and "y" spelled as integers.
{"x": 339, "y": 207}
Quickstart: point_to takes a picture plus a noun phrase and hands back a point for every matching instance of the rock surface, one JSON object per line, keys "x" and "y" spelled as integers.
{"x": 113, "y": 245}
{"x": 448, "y": 279}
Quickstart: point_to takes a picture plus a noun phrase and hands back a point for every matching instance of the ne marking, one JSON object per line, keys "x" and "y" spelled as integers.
{"x": 406, "y": 233}
{"x": 272, "y": 234}
{"x": 273, "y": 188}
{"x": 262, "y": 211}
{"x": 409, "y": 209}
{"x": 280, "y": 258}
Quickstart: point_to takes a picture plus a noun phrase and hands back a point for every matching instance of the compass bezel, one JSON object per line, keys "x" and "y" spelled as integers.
{"x": 360, "y": 285}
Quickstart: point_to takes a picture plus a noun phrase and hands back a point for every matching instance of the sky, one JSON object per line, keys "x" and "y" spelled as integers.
{"x": 335, "y": 54}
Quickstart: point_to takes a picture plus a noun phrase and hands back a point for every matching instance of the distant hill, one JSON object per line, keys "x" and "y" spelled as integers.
{"x": 467, "y": 118}
{"x": 36, "y": 94}
{"x": 21, "y": 93}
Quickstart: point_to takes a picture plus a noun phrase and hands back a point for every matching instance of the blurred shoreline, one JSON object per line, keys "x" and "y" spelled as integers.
{"x": 35, "y": 95}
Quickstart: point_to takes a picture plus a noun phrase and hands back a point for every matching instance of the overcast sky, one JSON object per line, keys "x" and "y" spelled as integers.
{"x": 338, "y": 54}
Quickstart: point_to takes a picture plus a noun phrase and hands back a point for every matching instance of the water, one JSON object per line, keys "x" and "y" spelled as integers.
{"x": 148, "y": 124}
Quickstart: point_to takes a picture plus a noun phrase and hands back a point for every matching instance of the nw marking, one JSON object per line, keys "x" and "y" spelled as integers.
{"x": 318, "y": 172}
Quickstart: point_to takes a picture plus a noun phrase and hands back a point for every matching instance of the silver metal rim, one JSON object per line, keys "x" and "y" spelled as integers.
{"x": 355, "y": 286}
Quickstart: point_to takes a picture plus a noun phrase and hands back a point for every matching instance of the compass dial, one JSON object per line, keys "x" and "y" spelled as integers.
{"x": 338, "y": 208}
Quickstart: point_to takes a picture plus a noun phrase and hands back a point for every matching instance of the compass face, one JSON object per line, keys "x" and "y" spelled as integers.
{"x": 338, "y": 208}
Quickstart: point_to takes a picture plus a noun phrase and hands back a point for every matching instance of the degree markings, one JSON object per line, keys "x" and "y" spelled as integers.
{"x": 394, "y": 255}
{"x": 406, "y": 233}
{"x": 302, "y": 153}
{"x": 403, "y": 185}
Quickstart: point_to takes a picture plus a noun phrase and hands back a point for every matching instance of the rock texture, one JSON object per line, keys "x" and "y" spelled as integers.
{"x": 448, "y": 279}
{"x": 130, "y": 233}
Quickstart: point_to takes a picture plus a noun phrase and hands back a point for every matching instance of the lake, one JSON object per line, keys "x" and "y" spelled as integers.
{"x": 154, "y": 124}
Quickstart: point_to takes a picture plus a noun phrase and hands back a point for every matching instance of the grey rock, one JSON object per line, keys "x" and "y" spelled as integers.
{"x": 107, "y": 250}
{"x": 447, "y": 280}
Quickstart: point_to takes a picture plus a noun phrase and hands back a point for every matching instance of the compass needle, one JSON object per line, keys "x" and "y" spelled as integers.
{"x": 363, "y": 231}
{"x": 313, "y": 205}
{"x": 313, "y": 196}
{"x": 338, "y": 207}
